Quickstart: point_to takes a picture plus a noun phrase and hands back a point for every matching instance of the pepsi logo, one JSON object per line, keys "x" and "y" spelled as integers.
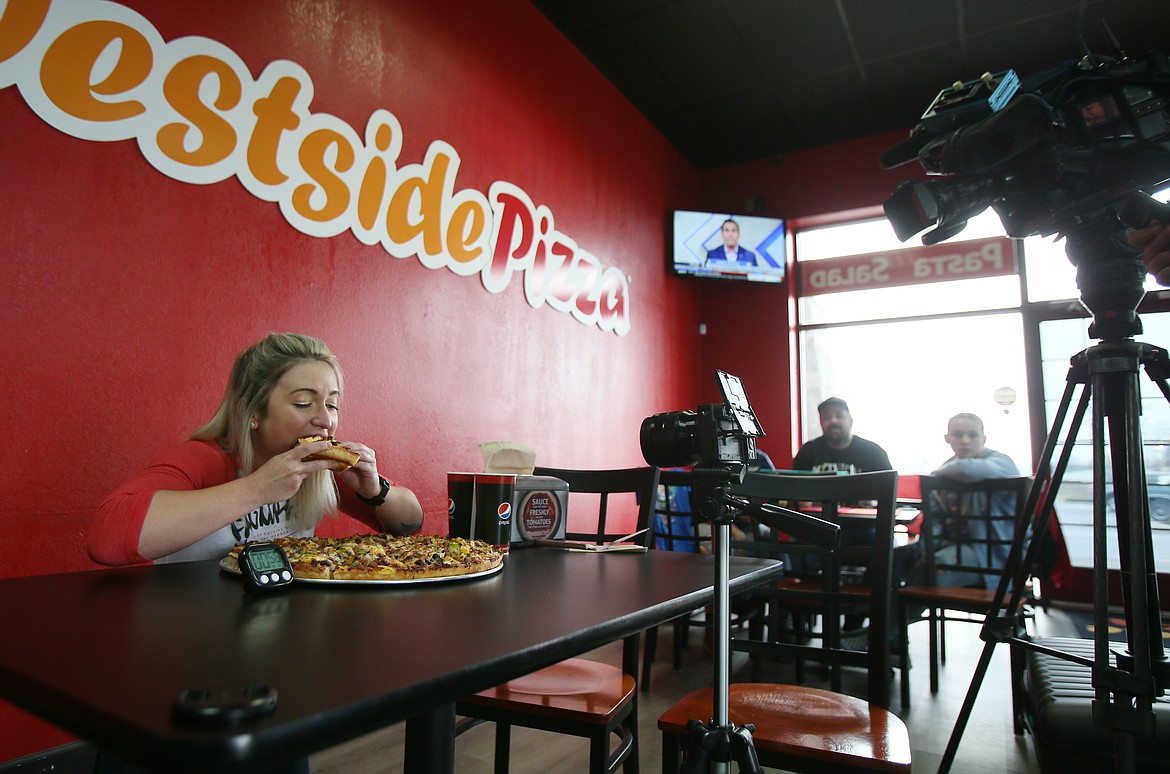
{"x": 505, "y": 510}
{"x": 450, "y": 507}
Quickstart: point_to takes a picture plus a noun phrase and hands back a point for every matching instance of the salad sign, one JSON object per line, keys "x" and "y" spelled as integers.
{"x": 992, "y": 257}
{"x": 99, "y": 71}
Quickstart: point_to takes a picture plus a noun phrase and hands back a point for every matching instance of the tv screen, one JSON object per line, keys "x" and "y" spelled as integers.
{"x": 733, "y": 247}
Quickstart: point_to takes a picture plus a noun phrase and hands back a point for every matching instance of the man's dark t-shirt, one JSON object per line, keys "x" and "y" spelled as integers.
{"x": 860, "y": 456}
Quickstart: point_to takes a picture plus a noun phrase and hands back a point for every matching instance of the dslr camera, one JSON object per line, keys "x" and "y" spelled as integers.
{"x": 713, "y": 434}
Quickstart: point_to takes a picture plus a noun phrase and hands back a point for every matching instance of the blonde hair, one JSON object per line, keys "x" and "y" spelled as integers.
{"x": 254, "y": 375}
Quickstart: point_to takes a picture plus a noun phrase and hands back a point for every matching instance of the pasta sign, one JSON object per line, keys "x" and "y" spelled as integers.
{"x": 99, "y": 71}
{"x": 991, "y": 257}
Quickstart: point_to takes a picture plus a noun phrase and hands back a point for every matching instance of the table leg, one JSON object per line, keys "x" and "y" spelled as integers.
{"x": 430, "y": 742}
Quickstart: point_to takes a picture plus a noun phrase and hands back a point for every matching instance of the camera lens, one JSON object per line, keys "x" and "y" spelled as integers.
{"x": 668, "y": 440}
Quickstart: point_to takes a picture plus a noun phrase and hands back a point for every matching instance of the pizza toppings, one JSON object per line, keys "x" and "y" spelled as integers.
{"x": 386, "y": 557}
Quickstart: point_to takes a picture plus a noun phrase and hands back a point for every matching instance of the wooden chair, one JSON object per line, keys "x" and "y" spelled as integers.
{"x": 797, "y": 728}
{"x": 967, "y": 530}
{"x": 578, "y": 696}
{"x": 854, "y": 579}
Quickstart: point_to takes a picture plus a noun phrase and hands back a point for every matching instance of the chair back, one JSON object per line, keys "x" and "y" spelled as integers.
{"x": 968, "y": 528}
{"x": 675, "y": 525}
{"x": 854, "y": 577}
{"x": 608, "y": 486}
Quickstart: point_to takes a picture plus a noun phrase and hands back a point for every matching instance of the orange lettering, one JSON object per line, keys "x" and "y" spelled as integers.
{"x": 429, "y": 202}
{"x": 312, "y": 155}
{"x": 68, "y": 66}
{"x": 373, "y": 187}
{"x": 97, "y": 80}
{"x": 467, "y": 225}
{"x": 19, "y": 24}
{"x": 274, "y": 116}
{"x": 181, "y": 89}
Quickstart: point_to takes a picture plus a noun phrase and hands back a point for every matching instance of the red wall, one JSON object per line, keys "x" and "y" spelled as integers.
{"x": 820, "y": 181}
{"x": 130, "y": 293}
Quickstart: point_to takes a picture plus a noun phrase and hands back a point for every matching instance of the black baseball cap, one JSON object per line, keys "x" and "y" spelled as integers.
{"x": 832, "y": 403}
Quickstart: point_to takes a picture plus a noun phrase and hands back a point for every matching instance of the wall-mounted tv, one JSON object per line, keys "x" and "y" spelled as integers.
{"x": 731, "y": 247}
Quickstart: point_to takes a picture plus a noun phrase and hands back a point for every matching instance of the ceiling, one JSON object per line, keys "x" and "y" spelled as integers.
{"x": 728, "y": 81}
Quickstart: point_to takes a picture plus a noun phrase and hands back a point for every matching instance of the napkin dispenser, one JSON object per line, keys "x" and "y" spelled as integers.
{"x": 539, "y": 509}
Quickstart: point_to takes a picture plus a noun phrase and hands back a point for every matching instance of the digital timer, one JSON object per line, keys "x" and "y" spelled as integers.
{"x": 265, "y": 567}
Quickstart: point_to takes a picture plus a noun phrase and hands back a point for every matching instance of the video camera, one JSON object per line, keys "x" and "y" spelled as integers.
{"x": 714, "y": 434}
{"x": 1049, "y": 153}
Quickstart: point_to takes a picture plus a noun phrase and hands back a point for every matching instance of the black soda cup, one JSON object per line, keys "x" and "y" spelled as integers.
{"x": 492, "y": 521}
{"x": 460, "y": 504}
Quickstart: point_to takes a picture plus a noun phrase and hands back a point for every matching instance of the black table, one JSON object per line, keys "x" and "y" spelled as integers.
{"x": 105, "y": 654}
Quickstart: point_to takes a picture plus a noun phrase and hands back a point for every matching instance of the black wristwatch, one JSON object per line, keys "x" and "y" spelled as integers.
{"x": 379, "y": 498}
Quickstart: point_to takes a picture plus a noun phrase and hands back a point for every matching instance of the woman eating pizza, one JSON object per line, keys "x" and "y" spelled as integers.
{"x": 253, "y": 472}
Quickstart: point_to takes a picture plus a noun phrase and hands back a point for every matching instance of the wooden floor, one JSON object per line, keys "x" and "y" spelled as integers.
{"x": 988, "y": 746}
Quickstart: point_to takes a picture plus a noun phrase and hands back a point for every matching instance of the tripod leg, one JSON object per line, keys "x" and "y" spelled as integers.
{"x": 744, "y": 751}
{"x": 948, "y": 758}
{"x": 698, "y": 756}
{"x": 1123, "y": 695}
{"x": 1134, "y": 533}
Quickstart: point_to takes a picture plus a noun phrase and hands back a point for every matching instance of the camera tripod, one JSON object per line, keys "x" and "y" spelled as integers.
{"x": 718, "y": 739}
{"x": 1125, "y": 682}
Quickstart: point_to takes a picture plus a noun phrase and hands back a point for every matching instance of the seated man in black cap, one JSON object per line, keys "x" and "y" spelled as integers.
{"x": 838, "y": 448}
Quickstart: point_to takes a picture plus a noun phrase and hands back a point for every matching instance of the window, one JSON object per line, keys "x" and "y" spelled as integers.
{"x": 1059, "y": 341}
{"x": 908, "y": 357}
{"x": 903, "y": 380}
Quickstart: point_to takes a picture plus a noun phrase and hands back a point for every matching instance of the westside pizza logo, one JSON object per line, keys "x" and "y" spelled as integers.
{"x": 100, "y": 71}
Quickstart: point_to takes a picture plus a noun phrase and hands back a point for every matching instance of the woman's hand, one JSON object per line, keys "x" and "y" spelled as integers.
{"x": 362, "y": 477}
{"x": 401, "y": 513}
{"x": 1154, "y": 240}
{"x": 281, "y": 477}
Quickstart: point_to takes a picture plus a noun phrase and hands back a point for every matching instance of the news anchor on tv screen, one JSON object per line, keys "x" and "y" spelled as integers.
{"x": 725, "y": 246}
{"x": 731, "y": 252}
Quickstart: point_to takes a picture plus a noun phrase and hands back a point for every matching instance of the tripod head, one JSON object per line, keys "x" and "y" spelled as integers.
{"x": 717, "y": 505}
{"x": 1110, "y": 271}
